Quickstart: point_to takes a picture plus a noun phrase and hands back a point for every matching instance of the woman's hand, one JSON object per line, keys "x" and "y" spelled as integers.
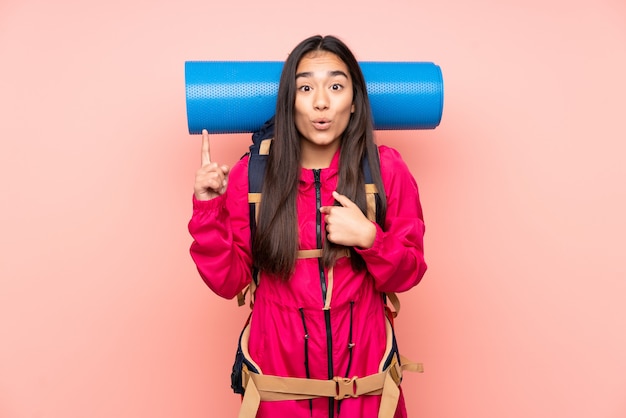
{"x": 346, "y": 225}
{"x": 211, "y": 178}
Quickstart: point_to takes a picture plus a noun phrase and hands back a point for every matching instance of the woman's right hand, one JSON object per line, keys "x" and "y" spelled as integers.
{"x": 211, "y": 178}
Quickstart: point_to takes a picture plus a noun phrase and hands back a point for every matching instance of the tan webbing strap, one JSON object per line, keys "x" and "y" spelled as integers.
{"x": 329, "y": 289}
{"x": 370, "y": 193}
{"x": 251, "y": 399}
{"x": 411, "y": 366}
{"x": 395, "y": 302}
{"x": 391, "y": 391}
{"x": 241, "y": 296}
{"x": 264, "y": 148}
{"x": 389, "y": 398}
{"x": 256, "y": 199}
{"x": 260, "y": 387}
{"x": 315, "y": 253}
{"x": 252, "y": 287}
{"x": 276, "y": 388}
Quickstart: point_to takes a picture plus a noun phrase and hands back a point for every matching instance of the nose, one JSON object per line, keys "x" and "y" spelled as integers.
{"x": 320, "y": 101}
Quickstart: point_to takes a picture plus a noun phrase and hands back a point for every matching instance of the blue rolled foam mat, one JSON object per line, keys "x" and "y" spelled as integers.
{"x": 239, "y": 96}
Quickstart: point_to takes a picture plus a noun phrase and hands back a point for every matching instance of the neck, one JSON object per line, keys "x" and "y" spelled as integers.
{"x": 317, "y": 156}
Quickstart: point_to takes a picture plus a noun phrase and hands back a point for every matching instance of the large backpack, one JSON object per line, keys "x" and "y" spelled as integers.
{"x": 246, "y": 372}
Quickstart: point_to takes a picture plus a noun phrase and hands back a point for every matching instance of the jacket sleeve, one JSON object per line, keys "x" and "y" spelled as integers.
{"x": 221, "y": 236}
{"x": 396, "y": 259}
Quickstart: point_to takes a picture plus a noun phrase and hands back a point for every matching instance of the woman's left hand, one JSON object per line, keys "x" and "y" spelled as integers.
{"x": 347, "y": 225}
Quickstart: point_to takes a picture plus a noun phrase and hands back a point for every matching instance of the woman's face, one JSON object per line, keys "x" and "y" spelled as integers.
{"x": 323, "y": 100}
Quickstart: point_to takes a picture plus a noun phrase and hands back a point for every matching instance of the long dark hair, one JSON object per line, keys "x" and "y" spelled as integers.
{"x": 275, "y": 242}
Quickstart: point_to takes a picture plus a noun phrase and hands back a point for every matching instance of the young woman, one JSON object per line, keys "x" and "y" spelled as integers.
{"x": 318, "y": 315}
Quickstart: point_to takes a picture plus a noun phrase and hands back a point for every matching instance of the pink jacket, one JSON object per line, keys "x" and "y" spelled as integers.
{"x": 290, "y": 334}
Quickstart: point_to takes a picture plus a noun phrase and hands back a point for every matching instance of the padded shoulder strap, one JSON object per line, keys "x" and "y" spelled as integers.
{"x": 371, "y": 191}
{"x": 373, "y": 203}
{"x": 257, "y": 161}
{"x": 259, "y": 150}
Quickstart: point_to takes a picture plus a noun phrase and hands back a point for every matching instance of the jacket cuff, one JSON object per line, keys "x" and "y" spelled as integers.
{"x": 376, "y": 245}
{"x": 211, "y": 205}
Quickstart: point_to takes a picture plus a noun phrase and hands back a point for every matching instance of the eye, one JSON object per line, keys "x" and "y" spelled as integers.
{"x": 336, "y": 87}
{"x": 304, "y": 88}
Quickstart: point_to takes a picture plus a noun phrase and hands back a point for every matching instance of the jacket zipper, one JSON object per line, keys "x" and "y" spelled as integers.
{"x": 306, "y": 354}
{"x": 329, "y": 337}
{"x": 350, "y": 342}
{"x": 318, "y": 231}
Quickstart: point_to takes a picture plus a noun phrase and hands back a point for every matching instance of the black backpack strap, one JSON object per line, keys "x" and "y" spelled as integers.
{"x": 373, "y": 203}
{"x": 371, "y": 192}
{"x": 257, "y": 161}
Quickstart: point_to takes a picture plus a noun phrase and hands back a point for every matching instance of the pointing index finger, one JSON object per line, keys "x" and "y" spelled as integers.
{"x": 343, "y": 200}
{"x": 205, "y": 154}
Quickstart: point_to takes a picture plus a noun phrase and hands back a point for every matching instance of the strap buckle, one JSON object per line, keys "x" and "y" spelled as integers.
{"x": 345, "y": 388}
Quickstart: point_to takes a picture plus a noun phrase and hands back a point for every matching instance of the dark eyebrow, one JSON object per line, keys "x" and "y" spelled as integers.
{"x": 336, "y": 73}
{"x": 330, "y": 73}
{"x": 306, "y": 74}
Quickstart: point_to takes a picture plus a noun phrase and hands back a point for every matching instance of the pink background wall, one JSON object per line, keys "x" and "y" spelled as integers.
{"x": 522, "y": 313}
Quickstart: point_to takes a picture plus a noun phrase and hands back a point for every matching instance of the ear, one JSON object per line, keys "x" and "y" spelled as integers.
{"x": 352, "y": 109}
